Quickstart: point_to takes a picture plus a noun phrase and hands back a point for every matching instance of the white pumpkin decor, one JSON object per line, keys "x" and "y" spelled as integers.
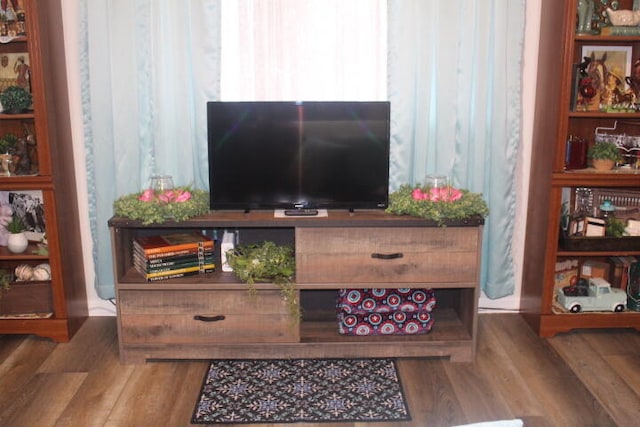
{"x": 41, "y": 272}
{"x": 24, "y": 272}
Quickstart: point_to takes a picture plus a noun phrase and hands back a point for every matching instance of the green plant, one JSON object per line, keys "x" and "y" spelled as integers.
{"x": 151, "y": 207}
{"x": 268, "y": 263}
{"x": 16, "y": 225}
{"x": 5, "y": 280}
{"x": 15, "y": 98}
{"x": 8, "y": 143}
{"x": 408, "y": 200}
{"x": 604, "y": 151}
{"x": 615, "y": 227}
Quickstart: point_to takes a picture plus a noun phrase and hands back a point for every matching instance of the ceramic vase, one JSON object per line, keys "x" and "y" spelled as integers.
{"x": 17, "y": 243}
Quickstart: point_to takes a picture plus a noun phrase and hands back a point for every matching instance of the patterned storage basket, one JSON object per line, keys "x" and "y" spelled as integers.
{"x": 385, "y": 311}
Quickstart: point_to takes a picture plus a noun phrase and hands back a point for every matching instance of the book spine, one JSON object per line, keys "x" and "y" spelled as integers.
{"x": 177, "y": 275}
{"x": 157, "y": 269}
{"x": 180, "y": 262}
{"x": 171, "y": 253}
{"x": 174, "y": 248}
{"x": 620, "y": 31}
{"x": 196, "y": 269}
{"x": 629, "y": 261}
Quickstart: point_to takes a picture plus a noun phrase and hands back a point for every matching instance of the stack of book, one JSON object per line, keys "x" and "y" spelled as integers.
{"x": 174, "y": 255}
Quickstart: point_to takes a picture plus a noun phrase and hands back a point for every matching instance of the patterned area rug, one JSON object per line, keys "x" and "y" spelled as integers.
{"x": 301, "y": 390}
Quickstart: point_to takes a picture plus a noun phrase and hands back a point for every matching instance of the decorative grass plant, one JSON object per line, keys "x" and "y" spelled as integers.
{"x": 149, "y": 206}
{"x": 437, "y": 204}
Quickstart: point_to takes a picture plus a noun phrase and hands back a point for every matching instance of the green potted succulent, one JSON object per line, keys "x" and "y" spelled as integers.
{"x": 15, "y": 100}
{"x": 17, "y": 241}
{"x": 604, "y": 155}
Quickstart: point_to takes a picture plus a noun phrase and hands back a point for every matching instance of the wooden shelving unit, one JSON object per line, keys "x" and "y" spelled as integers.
{"x": 556, "y": 119}
{"x": 52, "y": 175}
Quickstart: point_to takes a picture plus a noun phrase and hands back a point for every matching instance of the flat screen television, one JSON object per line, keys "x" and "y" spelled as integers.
{"x": 298, "y": 155}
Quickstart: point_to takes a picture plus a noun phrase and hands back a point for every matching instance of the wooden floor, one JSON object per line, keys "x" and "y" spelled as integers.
{"x": 585, "y": 378}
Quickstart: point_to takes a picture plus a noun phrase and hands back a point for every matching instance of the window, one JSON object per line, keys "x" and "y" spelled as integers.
{"x": 304, "y": 50}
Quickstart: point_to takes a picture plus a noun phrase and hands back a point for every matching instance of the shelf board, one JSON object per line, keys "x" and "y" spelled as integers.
{"x": 6, "y": 255}
{"x": 592, "y": 178}
{"x": 133, "y": 280}
{"x": 602, "y": 115}
{"x": 26, "y": 182}
{"x": 21, "y": 116}
{"x": 596, "y": 38}
{"x": 554, "y": 323}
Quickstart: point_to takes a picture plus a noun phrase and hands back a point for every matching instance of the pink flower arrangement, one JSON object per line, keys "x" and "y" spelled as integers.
{"x": 444, "y": 194}
{"x": 167, "y": 196}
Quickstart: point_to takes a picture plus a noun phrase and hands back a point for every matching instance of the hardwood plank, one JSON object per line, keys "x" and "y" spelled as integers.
{"x": 163, "y": 393}
{"x": 607, "y": 387}
{"x": 19, "y": 366}
{"x": 627, "y": 368}
{"x": 504, "y": 393}
{"x": 100, "y": 391}
{"x": 431, "y": 398}
{"x": 93, "y": 343}
{"x": 93, "y": 350}
{"x": 558, "y": 392}
{"x": 42, "y": 400}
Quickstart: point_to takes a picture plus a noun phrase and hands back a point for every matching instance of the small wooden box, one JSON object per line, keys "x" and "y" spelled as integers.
{"x": 28, "y": 297}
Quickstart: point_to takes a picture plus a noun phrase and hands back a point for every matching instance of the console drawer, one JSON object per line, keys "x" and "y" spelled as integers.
{"x": 170, "y": 317}
{"x": 387, "y": 255}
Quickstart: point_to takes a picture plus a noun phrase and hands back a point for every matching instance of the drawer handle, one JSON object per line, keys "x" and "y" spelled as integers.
{"x": 208, "y": 318}
{"x": 387, "y": 256}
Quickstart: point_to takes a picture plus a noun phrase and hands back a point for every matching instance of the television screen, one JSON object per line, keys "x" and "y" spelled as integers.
{"x": 271, "y": 155}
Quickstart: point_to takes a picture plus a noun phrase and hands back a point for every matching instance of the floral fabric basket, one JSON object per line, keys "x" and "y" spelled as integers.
{"x": 379, "y": 311}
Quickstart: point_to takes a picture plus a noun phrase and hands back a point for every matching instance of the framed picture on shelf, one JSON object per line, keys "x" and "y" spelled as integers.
{"x": 15, "y": 70}
{"x": 29, "y": 207}
{"x": 601, "y": 80}
{"x": 13, "y": 19}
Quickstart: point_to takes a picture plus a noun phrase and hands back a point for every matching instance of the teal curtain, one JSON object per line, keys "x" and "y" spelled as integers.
{"x": 147, "y": 70}
{"x": 454, "y": 82}
{"x": 454, "y": 85}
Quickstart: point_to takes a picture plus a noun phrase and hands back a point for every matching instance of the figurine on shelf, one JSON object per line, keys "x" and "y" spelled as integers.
{"x": 23, "y": 71}
{"x": 634, "y": 79}
{"x": 6, "y": 162}
{"x": 6, "y": 213}
{"x": 21, "y": 157}
{"x": 615, "y": 96}
{"x": 585, "y": 16}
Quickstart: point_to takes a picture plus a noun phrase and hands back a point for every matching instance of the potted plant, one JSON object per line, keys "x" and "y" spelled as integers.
{"x": 15, "y": 100}
{"x": 604, "y": 155}
{"x": 267, "y": 262}
{"x": 8, "y": 143}
{"x": 17, "y": 241}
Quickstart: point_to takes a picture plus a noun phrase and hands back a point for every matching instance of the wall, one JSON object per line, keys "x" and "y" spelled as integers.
{"x": 99, "y": 307}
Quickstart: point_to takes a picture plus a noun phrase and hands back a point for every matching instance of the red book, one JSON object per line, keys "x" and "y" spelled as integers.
{"x": 177, "y": 242}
